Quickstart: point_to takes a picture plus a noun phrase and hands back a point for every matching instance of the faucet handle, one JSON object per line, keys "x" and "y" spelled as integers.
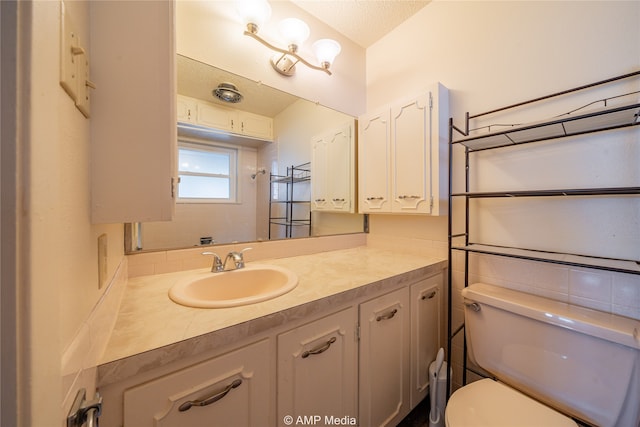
{"x": 217, "y": 262}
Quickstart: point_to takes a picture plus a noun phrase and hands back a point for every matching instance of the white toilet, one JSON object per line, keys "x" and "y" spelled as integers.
{"x": 553, "y": 362}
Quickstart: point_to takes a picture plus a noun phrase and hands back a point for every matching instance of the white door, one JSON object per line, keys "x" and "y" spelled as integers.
{"x": 384, "y": 359}
{"x": 374, "y": 162}
{"x": 229, "y": 390}
{"x": 411, "y": 154}
{"x": 317, "y": 370}
{"x": 425, "y": 333}
{"x": 340, "y": 179}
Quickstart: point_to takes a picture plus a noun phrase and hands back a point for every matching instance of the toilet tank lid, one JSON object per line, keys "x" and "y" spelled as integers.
{"x": 611, "y": 327}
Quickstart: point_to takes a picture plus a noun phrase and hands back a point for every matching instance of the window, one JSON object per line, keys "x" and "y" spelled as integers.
{"x": 207, "y": 173}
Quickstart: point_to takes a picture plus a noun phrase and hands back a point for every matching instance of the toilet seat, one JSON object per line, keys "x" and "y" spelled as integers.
{"x": 489, "y": 403}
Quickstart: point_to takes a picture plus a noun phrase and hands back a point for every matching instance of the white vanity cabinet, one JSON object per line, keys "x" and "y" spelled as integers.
{"x": 133, "y": 110}
{"x": 333, "y": 172}
{"x": 363, "y": 360}
{"x": 403, "y": 156}
{"x": 214, "y": 116}
{"x": 233, "y": 389}
{"x": 317, "y": 368}
{"x": 385, "y": 324}
{"x": 426, "y": 300}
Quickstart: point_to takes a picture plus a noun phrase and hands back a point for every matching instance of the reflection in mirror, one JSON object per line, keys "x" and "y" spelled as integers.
{"x": 238, "y": 170}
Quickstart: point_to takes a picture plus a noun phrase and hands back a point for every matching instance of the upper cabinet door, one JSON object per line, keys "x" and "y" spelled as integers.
{"x": 333, "y": 170}
{"x": 187, "y": 109}
{"x": 411, "y": 155}
{"x": 255, "y": 125}
{"x": 217, "y": 117}
{"x": 374, "y": 162}
{"x": 403, "y": 156}
{"x": 133, "y": 111}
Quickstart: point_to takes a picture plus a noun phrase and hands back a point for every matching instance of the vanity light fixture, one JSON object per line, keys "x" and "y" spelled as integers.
{"x": 294, "y": 31}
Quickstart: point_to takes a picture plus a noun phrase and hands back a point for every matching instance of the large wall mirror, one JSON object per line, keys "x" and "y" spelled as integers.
{"x": 255, "y": 175}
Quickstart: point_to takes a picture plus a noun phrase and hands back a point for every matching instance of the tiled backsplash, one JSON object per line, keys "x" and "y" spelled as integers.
{"x": 146, "y": 263}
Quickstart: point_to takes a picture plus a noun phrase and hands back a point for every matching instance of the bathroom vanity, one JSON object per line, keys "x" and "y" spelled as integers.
{"x": 351, "y": 344}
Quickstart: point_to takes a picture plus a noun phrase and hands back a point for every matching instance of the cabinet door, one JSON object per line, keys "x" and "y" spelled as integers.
{"x": 187, "y": 109}
{"x": 319, "y": 184}
{"x": 255, "y": 125}
{"x": 411, "y": 155}
{"x": 425, "y": 333}
{"x": 217, "y": 117}
{"x": 333, "y": 172}
{"x": 374, "y": 162}
{"x": 133, "y": 117}
{"x": 236, "y": 385}
{"x": 384, "y": 359}
{"x": 317, "y": 369}
{"x": 340, "y": 170}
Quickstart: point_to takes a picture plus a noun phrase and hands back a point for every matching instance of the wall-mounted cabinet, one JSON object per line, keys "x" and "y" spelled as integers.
{"x": 332, "y": 163}
{"x": 210, "y": 115}
{"x": 402, "y": 156}
{"x": 133, "y": 130}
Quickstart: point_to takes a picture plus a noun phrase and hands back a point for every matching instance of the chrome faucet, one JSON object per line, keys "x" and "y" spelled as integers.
{"x": 236, "y": 257}
{"x": 218, "y": 266}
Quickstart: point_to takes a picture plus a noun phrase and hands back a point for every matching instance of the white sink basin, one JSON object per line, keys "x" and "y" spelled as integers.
{"x": 251, "y": 284}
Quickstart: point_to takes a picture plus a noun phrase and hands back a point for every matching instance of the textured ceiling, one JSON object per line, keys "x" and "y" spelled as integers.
{"x": 363, "y": 21}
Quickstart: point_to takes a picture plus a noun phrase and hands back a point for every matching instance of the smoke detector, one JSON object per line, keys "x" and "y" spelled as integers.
{"x": 227, "y": 92}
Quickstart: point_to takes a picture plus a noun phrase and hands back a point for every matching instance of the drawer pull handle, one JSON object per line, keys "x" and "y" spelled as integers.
{"x": 387, "y": 316}
{"x": 408, "y": 197}
{"x": 320, "y": 349}
{"x": 430, "y": 296}
{"x": 211, "y": 399}
{"x": 375, "y": 198}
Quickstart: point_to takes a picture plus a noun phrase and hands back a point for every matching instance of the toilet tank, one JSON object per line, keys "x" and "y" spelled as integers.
{"x": 583, "y": 362}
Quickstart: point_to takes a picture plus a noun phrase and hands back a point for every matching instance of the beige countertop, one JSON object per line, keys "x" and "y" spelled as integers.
{"x": 151, "y": 330}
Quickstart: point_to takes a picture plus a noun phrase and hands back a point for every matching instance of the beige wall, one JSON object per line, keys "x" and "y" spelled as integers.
{"x": 487, "y": 53}
{"x": 61, "y": 251}
{"x": 491, "y": 54}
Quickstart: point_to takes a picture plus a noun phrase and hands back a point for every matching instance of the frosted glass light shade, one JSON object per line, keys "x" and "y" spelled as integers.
{"x": 326, "y": 51}
{"x": 294, "y": 31}
{"x": 255, "y": 12}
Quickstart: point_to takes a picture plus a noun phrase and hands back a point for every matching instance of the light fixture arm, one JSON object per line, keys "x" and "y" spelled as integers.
{"x": 286, "y": 52}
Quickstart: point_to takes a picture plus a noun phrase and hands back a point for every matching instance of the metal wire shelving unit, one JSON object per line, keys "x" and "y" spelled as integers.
{"x": 571, "y": 124}
{"x": 293, "y": 213}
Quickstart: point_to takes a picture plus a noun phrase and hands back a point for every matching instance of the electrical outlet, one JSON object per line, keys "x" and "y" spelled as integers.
{"x": 102, "y": 260}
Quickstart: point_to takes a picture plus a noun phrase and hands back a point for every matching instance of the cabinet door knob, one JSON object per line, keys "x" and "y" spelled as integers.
{"x": 211, "y": 399}
{"x": 320, "y": 349}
